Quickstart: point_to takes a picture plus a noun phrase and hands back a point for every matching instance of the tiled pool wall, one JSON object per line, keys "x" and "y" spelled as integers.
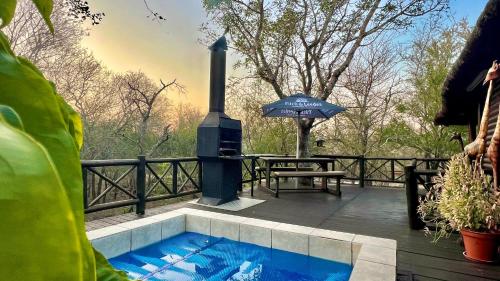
{"x": 372, "y": 258}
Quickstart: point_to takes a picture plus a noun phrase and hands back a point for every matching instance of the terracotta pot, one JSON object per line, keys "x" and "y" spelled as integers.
{"x": 480, "y": 246}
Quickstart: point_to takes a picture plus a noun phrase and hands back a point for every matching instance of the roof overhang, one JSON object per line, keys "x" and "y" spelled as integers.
{"x": 460, "y": 89}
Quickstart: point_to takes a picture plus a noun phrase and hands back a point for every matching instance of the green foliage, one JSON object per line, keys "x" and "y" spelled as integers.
{"x": 45, "y": 120}
{"x": 414, "y": 126}
{"x": 45, "y": 8}
{"x": 210, "y": 4}
{"x": 39, "y": 237}
{"x": 8, "y": 7}
{"x": 306, "y": 46}
{"x": 260, "y": 134}
{"x": 41, "y": 196}
{"x": 462, "y": 198}
{"x": 182, "y": 141}
{"x": 271, "y": 135}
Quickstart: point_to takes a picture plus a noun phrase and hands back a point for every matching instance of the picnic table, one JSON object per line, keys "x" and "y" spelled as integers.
{"x": 322, "y": 162}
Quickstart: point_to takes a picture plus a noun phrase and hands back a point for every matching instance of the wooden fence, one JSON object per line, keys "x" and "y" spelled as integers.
{"x": 110, "y": 184}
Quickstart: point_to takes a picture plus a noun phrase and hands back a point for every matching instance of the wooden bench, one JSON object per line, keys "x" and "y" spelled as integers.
{"x": 339, "y": 175}
{"x": 261, "y": 170}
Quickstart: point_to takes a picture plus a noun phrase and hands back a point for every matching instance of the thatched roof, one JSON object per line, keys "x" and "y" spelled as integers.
{"x": 482, "y": 47}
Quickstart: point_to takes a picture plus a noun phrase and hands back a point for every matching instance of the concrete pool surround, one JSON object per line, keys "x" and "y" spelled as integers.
{"x": 372, "y": 258}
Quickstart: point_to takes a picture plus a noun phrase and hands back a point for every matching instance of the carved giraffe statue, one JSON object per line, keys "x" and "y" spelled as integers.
{"x": 494, "y": 152}
{"x": 477, "y": 148}
{"x": 494, "y": 147}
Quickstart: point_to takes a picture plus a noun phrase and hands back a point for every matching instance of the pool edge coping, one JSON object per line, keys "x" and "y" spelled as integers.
{"x": 372, "y": 258}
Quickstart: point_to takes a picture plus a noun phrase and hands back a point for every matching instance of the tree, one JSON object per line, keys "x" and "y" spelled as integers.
{"x": 260, "y": 134}
{"x": 80, "y": 9}
{"x": 368, "y": 88}
{"x": 307, "y": 45}
{"x": 91, "y": 88}
{"x": 184, "y": 119}
{"x": 144, "y": 99}
{"x": 108, "y": 106}
{"x": 428, "y": 63}
{"x": 30, "y": 37}
{"x": 79, "y": 77}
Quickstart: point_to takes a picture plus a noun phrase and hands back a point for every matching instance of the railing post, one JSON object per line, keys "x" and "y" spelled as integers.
{"x": 242, "y": 166}
{"x": 200, "y": 175}
{"x": 362, "y": 165}
{"x": 85, "y": 188}
{"x": 427, "y": 167}
{"x": 393, "y": 176}
{"x": 175, "y": 168}
{"x": 141, "y": 185}
{"x": 412, "y": 197}
{"x": 254, "y": 175}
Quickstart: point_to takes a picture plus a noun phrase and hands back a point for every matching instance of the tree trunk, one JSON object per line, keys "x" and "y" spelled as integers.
{"x": 304, "y": 132}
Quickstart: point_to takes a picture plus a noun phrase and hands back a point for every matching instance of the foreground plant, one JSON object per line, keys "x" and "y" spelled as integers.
{"x": 41, "y": 212}
{"x": 462, "y": 198}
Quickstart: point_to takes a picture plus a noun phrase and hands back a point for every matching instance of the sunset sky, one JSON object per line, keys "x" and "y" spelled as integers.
{"x": 128, "y": 40}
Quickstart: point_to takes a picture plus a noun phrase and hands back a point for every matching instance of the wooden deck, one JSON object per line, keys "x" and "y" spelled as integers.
{"x": 371, "y": 211}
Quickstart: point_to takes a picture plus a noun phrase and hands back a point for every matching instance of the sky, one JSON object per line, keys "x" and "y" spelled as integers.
{"x": 127, "y": 40}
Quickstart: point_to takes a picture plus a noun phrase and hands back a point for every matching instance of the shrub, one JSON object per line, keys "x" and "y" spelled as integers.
{"x": 461, "y": 198}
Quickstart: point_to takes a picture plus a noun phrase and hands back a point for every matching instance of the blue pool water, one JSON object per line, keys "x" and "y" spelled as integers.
{"x": 193, "y": 256}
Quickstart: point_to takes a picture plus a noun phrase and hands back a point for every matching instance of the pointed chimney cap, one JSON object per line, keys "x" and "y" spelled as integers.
{"x": 220, "y": 44}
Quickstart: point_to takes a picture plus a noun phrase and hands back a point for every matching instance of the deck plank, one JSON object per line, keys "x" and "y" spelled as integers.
{"x": 370, "y": 211}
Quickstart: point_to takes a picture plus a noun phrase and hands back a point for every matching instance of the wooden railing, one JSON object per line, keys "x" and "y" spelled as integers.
{"x": 110, "y": 184}
{"x": 381, "y": 170}
{"x": 133, "y": 182}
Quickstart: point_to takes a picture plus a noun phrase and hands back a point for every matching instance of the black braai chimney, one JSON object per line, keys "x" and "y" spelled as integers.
{"x": 219, "y": 138}
{"x": 218, "y": 75}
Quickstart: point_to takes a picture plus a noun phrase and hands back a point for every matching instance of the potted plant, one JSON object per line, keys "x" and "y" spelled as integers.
{"x": 464, "y": 200}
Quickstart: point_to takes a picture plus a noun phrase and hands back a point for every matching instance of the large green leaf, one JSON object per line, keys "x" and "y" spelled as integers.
{"x": 45, "y": 8}
{"x": 7, "y": 9}
{"x": 52, "y": 123}
{"x": 72, "y": 120}
{"x": 32, "y": 97}
{"x": 39, "y": 239}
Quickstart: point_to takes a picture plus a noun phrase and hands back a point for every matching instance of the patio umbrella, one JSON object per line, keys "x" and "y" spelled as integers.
{"x": 301, "y": 106}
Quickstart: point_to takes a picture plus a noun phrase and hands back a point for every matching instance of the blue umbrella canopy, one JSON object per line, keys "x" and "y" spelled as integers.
{"x": 300, "y": 105}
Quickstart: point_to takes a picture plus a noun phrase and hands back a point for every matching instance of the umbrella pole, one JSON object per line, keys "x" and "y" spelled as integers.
{"x": 298, "y": 135}
{"x": 297, "y": 183}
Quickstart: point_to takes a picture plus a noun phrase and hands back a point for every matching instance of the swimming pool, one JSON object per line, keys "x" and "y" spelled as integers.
{"x": 194, "y": 256}
{"x": 147, "y": 248}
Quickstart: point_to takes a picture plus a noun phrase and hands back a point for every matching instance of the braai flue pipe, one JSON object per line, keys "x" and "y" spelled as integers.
{"x": 218, "y": 75}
